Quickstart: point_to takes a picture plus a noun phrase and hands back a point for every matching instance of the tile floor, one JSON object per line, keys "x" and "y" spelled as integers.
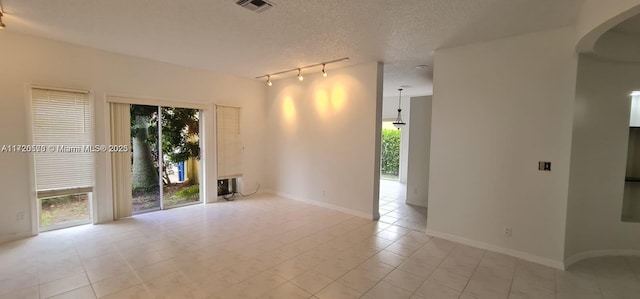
{"x": 269, "y": 247}
{"x": 394, "y": 210}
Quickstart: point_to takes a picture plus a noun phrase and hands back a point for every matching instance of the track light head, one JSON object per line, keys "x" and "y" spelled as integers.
{"x": 300, "y": 76}
{"x": 269, "y": 81}
{"x": 324, "y": 72}
{"x": 2, "y": 25}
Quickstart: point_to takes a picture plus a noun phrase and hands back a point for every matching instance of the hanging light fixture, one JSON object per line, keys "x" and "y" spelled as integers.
{"x": 324, "y": 73}
{"x": 398, "y": 123}
{"x": 269, "y": 81}
{"x": 300, "y": 75}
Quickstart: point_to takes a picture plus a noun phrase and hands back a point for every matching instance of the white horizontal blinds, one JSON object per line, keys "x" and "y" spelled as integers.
{"x": 63, "y": 122}
{"x": 229, "y": 142}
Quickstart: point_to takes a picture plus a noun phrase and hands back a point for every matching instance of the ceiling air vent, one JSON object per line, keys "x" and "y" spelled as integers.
{"x": 257, "y": 6}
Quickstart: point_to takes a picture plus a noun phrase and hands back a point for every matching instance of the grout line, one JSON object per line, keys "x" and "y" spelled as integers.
{"x": 513, "y": 276}
{"x": 352, "y": 235}
{"x": 84, "y": 269}
{"x": 474, "y": 270}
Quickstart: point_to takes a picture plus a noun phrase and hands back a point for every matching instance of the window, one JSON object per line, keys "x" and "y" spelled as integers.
{"x": 63, "y": 126}
{"x": 229, "y": 142}
{"x": 634, "y": 118}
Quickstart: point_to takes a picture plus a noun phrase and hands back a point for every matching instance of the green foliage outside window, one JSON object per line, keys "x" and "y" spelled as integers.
{"x": 390, "y": 151}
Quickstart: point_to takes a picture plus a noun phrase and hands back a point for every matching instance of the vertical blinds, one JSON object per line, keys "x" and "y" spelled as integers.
{"x": 121, "y": 162}
{"x": 63, "y": 122}
{"x": 229, "y": 143}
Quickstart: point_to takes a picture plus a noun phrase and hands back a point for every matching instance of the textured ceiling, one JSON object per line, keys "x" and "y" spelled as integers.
{"x": 220, "y": 36}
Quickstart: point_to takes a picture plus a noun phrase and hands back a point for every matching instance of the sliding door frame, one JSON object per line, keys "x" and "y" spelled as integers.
{"x": 202, "y": 110}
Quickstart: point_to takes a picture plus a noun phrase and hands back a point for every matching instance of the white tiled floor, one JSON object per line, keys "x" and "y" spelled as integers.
{"x": 269, "y": 247}
{"x": 394, "y": 210}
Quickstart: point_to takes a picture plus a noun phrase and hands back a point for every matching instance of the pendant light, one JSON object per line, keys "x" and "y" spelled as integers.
{"x": 398, "y": 123}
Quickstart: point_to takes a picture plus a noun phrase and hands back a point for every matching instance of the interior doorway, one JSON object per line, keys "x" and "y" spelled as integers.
{"x": 404, "y": 163}
{"x": 393, "y": 207}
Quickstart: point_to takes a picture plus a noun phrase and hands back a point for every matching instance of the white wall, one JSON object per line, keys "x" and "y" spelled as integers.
{"x": 598, "y": 160}
{"x": 28, "y": 59}
{"x": 499, "y": 107}
{"x": 323, "y": 138}
{"x": 418, "y": 153}
{"x": 390, "y": 112}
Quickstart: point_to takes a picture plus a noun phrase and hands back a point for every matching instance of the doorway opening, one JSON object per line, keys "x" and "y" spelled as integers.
{"x": 404, "y": 163}
{"x": 390, "y": 152}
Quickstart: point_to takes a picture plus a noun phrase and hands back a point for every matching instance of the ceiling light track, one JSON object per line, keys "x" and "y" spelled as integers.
{"x": 299, "y": 70}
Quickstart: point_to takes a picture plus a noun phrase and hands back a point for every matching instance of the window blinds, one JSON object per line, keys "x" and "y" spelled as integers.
{"x": 229, "y": 143}
{"x": 121, "y": 162}
{"x": 63, "y": 122}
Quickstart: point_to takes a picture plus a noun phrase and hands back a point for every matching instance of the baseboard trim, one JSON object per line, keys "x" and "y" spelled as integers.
{"x": 511, "y": 252}
{"x": 267, "y": 191}
{"x": 324, "y": 205}
{"x": 599, "y": 253}
{"x": 12, "y": 237}
{"x": 417, "y": 204}
{"x": 259, "y": 193}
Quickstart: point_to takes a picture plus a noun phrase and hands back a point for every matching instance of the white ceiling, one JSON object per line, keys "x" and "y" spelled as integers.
{"x": 219, "y": 35}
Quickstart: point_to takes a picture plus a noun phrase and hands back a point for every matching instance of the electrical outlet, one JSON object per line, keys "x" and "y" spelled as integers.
{"x": 324, "y": 193}
{"x": 20, "y": 217}
{"x": 507, "y": 231}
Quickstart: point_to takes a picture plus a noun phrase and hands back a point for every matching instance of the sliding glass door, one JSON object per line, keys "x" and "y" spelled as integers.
{"x": 145, "y": 184}
{"x": 180, "y": 156}
{"x": 165, "y": 163}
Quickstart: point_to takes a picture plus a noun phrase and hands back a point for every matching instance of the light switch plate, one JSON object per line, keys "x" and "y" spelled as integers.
{"x": 544, "y": 166}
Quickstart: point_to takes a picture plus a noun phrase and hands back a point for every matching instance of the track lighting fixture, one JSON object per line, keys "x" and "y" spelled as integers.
{"x": 299, "y": 69}
{"x": 300, "y": 75}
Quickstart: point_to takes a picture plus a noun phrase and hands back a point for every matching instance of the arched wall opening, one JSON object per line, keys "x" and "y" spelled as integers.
{"x": 606, "y": 76}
